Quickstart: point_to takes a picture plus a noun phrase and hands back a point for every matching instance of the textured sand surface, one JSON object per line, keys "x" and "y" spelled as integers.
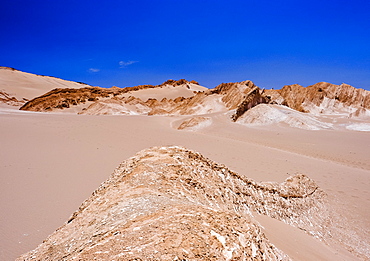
{"x": 27, "y": 85}
{"x": 50, "y": 163}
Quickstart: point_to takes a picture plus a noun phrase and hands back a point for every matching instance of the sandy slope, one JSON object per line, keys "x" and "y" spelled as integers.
{"x": 50, "y": 163}
{"x": 167, "y": 91}
{"x": 267, "y": 114}
{"x": 27, "y": 85}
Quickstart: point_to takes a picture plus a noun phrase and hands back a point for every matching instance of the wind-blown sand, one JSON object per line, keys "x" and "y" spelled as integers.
{"x": 24, "y": 85}
{"x": 50, "y": 163}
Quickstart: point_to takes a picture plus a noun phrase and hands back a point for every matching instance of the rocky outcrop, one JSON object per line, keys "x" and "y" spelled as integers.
{"x": 178, "y": 82}
{"x": 274, "y": 97}
{"x": 238, "y": 96}
{"x": 65, "y": 98}
{"x": 169, "y": 203}
{"x": 254, "y": 97}
{"x": 233, "y": 94}
{"x": 326, "y": 98}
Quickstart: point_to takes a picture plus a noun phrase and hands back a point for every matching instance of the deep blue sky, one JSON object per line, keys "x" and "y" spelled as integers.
{"x": 127, "y": 43}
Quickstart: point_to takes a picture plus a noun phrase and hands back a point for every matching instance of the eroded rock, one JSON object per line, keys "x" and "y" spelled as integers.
{"x": 170, "y": 203}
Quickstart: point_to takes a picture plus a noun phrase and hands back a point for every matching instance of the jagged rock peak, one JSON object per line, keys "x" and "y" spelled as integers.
{"x": 323, "y": 96}
{"x": 233, "y": 93}
{"x": 171, "y": 203}
{"x": 225, "y": 87}
{"x": 178, "y": 82}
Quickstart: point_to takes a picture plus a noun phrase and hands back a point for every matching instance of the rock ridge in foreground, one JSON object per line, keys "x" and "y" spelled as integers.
{"x": 170, "y": 203}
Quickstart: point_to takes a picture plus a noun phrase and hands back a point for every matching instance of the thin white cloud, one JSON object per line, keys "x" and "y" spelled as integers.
{"x": 123, "y": 64}
{"x": 94, "y": 70}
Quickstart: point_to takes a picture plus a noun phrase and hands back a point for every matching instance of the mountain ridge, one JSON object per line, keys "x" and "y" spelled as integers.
{"x": 183, "y": 97}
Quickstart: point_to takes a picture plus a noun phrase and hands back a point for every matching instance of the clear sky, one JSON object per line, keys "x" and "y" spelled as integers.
{"x": 127, "y": 43}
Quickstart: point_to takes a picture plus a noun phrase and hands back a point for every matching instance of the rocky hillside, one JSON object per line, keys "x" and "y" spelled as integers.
{"x": 170, "y": 203}
{"x": 99, "y": 101}
{"x": 180, "y": 97}
{"x": 189, "y": 98}
{"x": 65, "y": 98}
{"x": 325, "y": 98}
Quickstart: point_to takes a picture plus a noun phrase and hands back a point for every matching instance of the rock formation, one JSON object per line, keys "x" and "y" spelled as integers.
{"x": 254, "y": 97}
{"x": 66, "y": 98}
{"x": 170, "y": 203}
{"x": 233, "y": 94}
{"x": 227, "y": 96}
{"x": 184, "y": 97}
{"x": 324, "y": 97}
{"x": 238, "y": 97}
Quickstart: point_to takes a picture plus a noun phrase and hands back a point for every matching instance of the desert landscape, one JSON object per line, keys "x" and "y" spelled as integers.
{"x": 178, "y": 171}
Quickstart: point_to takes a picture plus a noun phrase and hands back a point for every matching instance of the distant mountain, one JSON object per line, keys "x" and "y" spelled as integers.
{"x": 184, "y": 97}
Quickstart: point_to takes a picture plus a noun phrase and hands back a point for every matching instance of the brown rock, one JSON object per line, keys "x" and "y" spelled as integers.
{"x": 252, "y": 98}
{"x": 327, "y": 96}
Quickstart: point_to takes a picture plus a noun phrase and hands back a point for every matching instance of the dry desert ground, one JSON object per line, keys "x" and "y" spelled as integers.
{"x": 51, "y": 162}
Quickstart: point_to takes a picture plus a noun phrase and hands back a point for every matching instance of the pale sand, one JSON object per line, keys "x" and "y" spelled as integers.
{"x": 27, "y": 85}
{"x": 50, "y": 163}
{"x": 167, "y": 91}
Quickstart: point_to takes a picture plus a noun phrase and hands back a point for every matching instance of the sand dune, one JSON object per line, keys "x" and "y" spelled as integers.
{"x": 45, "y": 182}
{"x": 26, "y": 86}
{"x": 51, "y": 162}
{"x": 266, "y": 114}
{"x": 168, "y": 91}
{"x": 195, "y": 123}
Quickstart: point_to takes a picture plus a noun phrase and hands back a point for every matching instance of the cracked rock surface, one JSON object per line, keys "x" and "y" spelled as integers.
{"x": 170, "y": 203}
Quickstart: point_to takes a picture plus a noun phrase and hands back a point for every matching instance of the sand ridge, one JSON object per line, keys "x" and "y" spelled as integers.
{"x": 26, "y": 86}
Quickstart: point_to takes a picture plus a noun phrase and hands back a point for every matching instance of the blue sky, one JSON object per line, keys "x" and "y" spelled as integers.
{"x": 127, "y": 43}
